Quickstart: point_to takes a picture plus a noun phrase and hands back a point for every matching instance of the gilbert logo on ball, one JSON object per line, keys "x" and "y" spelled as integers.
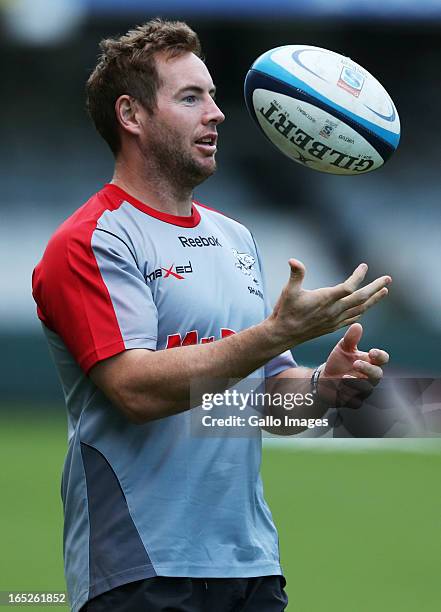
{"x": 322, "y": 110}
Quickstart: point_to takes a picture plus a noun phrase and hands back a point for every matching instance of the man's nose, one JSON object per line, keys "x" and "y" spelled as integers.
{"x": 213, "y": 113}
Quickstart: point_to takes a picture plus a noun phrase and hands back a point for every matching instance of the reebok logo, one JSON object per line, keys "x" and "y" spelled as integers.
{"x": 200, "y": 241}
{"x": 170, "y": 273}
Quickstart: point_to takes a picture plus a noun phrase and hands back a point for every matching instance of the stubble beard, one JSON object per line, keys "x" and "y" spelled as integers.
{"x": 173, "y": 164}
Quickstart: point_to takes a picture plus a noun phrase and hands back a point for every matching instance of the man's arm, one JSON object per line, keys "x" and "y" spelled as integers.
{"x": 150, "y": 385}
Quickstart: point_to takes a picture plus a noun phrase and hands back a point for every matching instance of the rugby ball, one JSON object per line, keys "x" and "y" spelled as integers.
{"x": 322, "y": 109}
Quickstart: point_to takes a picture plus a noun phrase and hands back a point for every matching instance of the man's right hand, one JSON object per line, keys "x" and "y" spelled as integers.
{"x": 301, "y": 314}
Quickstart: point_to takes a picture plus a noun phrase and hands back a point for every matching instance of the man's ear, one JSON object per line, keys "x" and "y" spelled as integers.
{"x": 128, "y": 114}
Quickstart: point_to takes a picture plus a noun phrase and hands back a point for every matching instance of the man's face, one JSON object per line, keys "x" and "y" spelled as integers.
{"x": 182, "y": 132}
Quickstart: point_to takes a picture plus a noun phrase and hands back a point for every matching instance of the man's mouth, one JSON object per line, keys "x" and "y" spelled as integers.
{"x": 207, "y": 143}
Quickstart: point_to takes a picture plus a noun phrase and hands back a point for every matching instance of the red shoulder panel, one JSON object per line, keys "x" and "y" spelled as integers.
{"x": 72, "y": 298}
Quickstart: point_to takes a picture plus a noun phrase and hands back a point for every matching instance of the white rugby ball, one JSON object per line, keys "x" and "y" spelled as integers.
{"x": 322, "y": 109}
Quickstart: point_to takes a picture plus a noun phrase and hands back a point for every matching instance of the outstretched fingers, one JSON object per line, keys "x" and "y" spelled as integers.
{"x": 364, "y": 294}
{"x": 351, "y": 283}
{"x": 356, "y": 311}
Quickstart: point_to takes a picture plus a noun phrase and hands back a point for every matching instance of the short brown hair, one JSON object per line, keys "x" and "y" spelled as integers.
{"x": 127, "y": 66}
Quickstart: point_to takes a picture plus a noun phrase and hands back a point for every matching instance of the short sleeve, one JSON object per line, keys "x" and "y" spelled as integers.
{"x": 91, "y": 292}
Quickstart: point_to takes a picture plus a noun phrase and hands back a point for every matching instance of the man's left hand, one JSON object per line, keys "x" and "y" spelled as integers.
{"x": 350, "y": 375}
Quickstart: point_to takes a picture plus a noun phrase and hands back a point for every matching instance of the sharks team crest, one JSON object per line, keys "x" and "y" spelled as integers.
{"x": 245, "y": 262}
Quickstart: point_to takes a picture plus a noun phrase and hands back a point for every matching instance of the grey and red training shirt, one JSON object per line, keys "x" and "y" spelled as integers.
{"x": 152, "y": 499}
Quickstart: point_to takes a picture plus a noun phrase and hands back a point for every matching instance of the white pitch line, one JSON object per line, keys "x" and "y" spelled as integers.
{"x": 338, "y": 445}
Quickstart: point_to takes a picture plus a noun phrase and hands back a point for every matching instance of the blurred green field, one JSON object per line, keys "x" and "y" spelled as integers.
{"x": 359, "y": 532}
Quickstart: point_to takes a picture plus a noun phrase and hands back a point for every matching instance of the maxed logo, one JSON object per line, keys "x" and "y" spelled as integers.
{"x": 177, "y": 272}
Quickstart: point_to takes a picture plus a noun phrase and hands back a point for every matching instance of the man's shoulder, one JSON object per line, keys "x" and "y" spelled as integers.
{"x": 69, "y": 249}
{"x": 72, "y": 239}
{"x": 82, "y": 222}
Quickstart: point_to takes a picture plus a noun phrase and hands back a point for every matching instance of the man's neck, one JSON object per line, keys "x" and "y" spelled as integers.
{"x": 152, "y": 189}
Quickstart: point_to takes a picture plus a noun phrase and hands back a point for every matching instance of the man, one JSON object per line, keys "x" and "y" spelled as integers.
{"x": 157, "y": 518}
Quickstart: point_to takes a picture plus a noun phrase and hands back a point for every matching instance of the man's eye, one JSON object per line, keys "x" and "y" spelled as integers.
{"x": 190, "y": 99}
